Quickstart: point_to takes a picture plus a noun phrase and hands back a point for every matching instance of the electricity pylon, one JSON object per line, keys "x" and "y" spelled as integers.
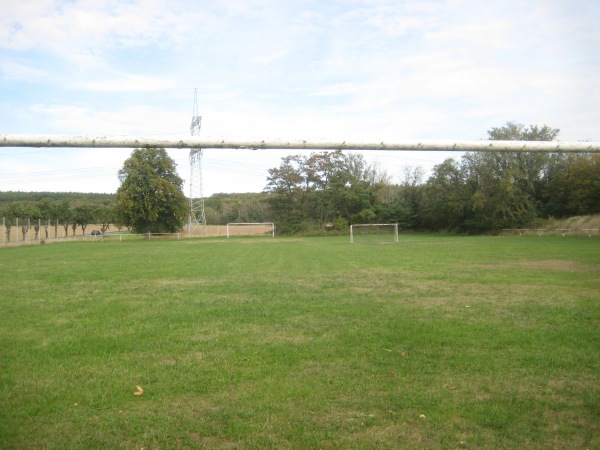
{"x": 197, "y": 215}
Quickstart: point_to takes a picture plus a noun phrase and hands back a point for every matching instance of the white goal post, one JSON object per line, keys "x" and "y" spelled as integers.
{"x": 262, "y": 227}
{"x": 77, "y": 141}
{"x": 374, "y": 229}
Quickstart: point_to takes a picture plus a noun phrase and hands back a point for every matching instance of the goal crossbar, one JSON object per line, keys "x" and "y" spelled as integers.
{"x": 271, "y": 224}
{"x": 358, "y": 225}
{"x": 28, "y": 140}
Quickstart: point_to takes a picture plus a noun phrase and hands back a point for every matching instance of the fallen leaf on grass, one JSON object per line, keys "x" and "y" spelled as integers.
{"x": 403, "y": 354}
{"x": 139, "y": 391}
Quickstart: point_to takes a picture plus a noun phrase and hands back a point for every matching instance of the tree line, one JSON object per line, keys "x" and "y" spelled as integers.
{"x": 73, "y": 197}
{"x": 48, "y": 213}
{"x": 479, "y": 192}
{"x": 484, "y": 192}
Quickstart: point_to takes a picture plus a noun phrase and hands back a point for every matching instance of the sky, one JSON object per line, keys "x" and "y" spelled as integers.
{"x": 329, "y": 70}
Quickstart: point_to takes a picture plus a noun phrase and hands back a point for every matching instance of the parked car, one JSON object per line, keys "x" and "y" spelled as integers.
{"x": 96, "y": 233}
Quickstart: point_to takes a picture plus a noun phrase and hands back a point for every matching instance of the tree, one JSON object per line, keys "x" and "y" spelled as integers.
{"x": 446, "y": 197}
{"x": 287, "y": 187}
{"x": 498, "y": 185}
{"x": 64, "y": 214}
{"x": 408, "y": 198}
{"x": 23, "y": 213}
{"x": 492, "y": 190}
{"x": 105, "y": 215}
{"x": 47, "y": 211}
{"x": 311, "y": 192}
{"x": 514, "y": 131}
{"x": 35, "y": 214}
{"x": 7, "y": 213}
{"x": 83, "y": 215}
{"x": 572, "y": 185}
{"x": 502, "y": 186}
{"x": 150, "y": 197}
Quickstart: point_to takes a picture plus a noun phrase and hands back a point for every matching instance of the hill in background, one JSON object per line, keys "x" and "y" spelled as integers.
{"x": 72, "y": 197}
{"x": 576, "y": 222}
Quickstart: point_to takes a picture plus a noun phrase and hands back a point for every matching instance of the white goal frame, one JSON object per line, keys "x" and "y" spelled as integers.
{"x": 252, "y": 224}
{"x": 395, "y": 225}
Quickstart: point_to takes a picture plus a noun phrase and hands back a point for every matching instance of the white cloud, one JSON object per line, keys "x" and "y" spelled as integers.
{"x": 268, "y": 58}
{"x": 84, "y": 31}
{"x": 135, "y": 120}
{"x": 335, "y": 90}
{"x": 128, "y": 83}
{"x": 14, "y": 70}
{"x": 493, "y": 35}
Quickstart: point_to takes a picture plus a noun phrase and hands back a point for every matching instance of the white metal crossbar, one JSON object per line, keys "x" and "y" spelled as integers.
{"x": 22, "y": 140}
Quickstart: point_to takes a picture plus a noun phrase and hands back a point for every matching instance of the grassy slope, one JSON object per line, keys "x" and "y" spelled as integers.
{"x": 576, "y": 222}
{"x": 439, "y": 341}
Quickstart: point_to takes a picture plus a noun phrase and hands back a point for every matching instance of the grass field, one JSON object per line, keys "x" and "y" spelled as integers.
{"x": 313, "y": 343}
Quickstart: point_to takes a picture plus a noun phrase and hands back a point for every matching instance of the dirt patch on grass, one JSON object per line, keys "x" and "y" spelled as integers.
{"x": 392, "y": 435}
{"x": 557, "y": 265}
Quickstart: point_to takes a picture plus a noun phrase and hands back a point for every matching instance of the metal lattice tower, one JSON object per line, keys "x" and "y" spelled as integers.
{"x": 197, "y": 215}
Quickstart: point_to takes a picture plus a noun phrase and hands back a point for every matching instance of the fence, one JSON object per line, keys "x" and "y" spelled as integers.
{"x": 18, "y": 231}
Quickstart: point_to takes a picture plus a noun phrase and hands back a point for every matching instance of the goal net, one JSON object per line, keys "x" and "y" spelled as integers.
{"x": 251, "y": 229}
{"x": 374, "y": 233}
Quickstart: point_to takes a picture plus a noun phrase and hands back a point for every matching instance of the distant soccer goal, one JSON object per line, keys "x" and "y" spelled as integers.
{"x": 251, "y": 229}
{"x": 374, "y": 233}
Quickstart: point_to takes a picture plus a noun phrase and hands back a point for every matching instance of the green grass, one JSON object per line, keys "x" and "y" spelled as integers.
{"x": 435, "y": 342}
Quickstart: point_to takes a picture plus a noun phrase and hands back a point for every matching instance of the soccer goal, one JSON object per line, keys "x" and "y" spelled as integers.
{"x": 251, "y": 229}
{"x": 374, "y": 233}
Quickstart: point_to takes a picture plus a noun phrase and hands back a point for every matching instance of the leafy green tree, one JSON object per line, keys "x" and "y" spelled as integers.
{"x": 446, "y": 197}
{"x": 150, "y": 197}
{"x": 35, "y": 215}
{"x": 499, "y": 198}
{"x": 83, "y": 215}
{"x": 105, "y": 215}
{"x": 287, "y": 186}
{"x": 403, "y": 203}
{"x": 572, "y": 185}
{"x": 490, "y": 190}
{"x": 502, "y": 186}
{"x": 25, "y": 213}
{"x": 213, "y": 208}
{"x": 355, "y": 188}
{"x": 584, "y": 185}
{"x": 64, "y": 214}
{"x": 47, "y": 212}
{"x": 396, "y": 211}
{"x": 311, "y": 192}
{"x": 514, "y": 131}
{"x": 9, "y": 219}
